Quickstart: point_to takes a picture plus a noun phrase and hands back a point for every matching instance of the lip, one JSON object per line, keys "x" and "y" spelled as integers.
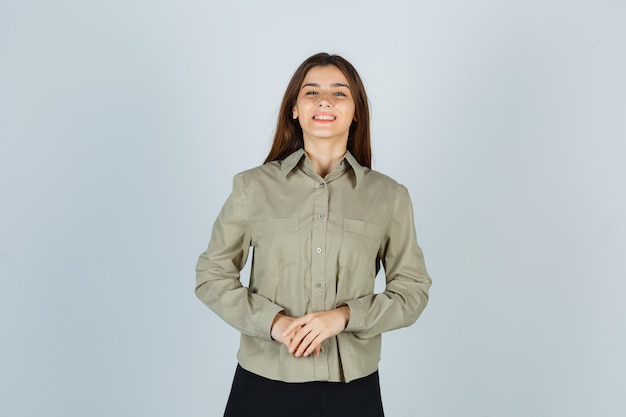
{"x": 324, "y": 117}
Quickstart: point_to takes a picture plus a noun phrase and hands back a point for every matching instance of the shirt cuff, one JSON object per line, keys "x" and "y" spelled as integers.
{"x": 357, "y": 317}
{"x": 264, "y": 329}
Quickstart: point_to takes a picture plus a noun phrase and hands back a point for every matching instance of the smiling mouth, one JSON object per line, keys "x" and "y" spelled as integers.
{"x": 326, "y": 118}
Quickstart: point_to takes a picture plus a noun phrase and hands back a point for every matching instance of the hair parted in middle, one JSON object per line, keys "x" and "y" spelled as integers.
{"x": 288, "y": 135}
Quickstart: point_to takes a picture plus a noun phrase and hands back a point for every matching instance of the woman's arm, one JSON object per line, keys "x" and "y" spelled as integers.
{"x": 217, "y": 271}
{"x": 408, "y": 282}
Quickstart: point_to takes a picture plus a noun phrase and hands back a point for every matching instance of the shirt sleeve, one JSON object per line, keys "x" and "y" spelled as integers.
{"x": 407, "y": 281}
{"x": 218, "y": 269}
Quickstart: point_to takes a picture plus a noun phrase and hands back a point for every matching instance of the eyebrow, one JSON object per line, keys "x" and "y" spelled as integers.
{"x": 332, "y": 85}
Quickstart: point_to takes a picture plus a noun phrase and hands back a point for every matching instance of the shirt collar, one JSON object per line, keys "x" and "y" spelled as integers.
{"x": 358, "y": 169}
{"x": 289, "y": 163}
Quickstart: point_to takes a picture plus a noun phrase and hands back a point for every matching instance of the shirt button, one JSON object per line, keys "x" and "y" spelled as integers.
{"x": 322, "y": 185}
{"x": 318, "y": 285}
{"x": 318, "y": 250}
{"x": 320, "y": 216}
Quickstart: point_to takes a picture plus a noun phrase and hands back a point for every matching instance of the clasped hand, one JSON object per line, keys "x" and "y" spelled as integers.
{"x": 304, "y": 335}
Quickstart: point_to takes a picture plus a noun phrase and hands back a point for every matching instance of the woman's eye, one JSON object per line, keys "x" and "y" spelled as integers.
{"x": 310, "y": 93}
{"x": 340, "y": 94}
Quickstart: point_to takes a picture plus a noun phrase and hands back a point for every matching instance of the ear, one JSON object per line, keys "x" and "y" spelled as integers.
{"x": 294, "y": 113}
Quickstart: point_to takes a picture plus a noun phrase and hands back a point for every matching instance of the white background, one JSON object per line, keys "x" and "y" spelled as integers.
{"x": 122, "y": 123}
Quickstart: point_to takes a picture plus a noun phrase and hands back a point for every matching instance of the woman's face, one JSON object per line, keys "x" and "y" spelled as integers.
{"x": 325, "y": 107}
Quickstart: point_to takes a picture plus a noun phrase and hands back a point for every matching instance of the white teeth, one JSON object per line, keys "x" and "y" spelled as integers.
{"x": 324, "y": 118}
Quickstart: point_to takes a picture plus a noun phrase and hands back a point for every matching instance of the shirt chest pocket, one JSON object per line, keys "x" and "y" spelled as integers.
{"x": 359, "y": 246}
{"x": 276, "y": 243}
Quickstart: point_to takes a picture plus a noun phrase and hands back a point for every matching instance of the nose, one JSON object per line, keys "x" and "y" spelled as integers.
{"x": 325, "y": 100}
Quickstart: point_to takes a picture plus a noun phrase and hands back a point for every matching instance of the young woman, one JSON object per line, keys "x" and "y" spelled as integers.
{"x": 321, "y": 223}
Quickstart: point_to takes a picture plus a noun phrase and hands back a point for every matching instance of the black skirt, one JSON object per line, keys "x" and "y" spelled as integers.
{"x": 255, "y": 396}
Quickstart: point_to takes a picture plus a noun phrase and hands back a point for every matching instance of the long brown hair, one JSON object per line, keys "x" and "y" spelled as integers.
{"x": 288, "y": 136}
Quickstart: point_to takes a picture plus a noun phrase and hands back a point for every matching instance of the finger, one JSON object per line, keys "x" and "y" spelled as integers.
{"x": 295, "y": 324}
{"x": 316, "y": 345}
{"x": 313, "y": 346}
{"x": 299, "y": 335}
{"x": 286, "y": 340}
{"x": 306, "y": 343}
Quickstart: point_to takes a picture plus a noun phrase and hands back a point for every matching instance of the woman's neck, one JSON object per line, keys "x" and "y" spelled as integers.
{"x": 324, "y": 156}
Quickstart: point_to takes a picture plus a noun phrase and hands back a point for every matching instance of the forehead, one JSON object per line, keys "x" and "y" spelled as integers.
{"x": 328, "y": 74}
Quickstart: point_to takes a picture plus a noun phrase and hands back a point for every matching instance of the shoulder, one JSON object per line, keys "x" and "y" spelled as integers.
{"x": 265, "y": 177}
{"x": 271, "y": 169}
{"x": 373, "y": 178}
{"x": 385, "y": 189}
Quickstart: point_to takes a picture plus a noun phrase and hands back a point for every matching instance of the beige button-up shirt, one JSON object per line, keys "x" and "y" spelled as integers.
{"x": 318, "y": 243}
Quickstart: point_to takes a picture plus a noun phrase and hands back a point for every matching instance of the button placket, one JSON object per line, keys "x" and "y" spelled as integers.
{"x": 318, "y": 265}
{"x": 318, "y": 241}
